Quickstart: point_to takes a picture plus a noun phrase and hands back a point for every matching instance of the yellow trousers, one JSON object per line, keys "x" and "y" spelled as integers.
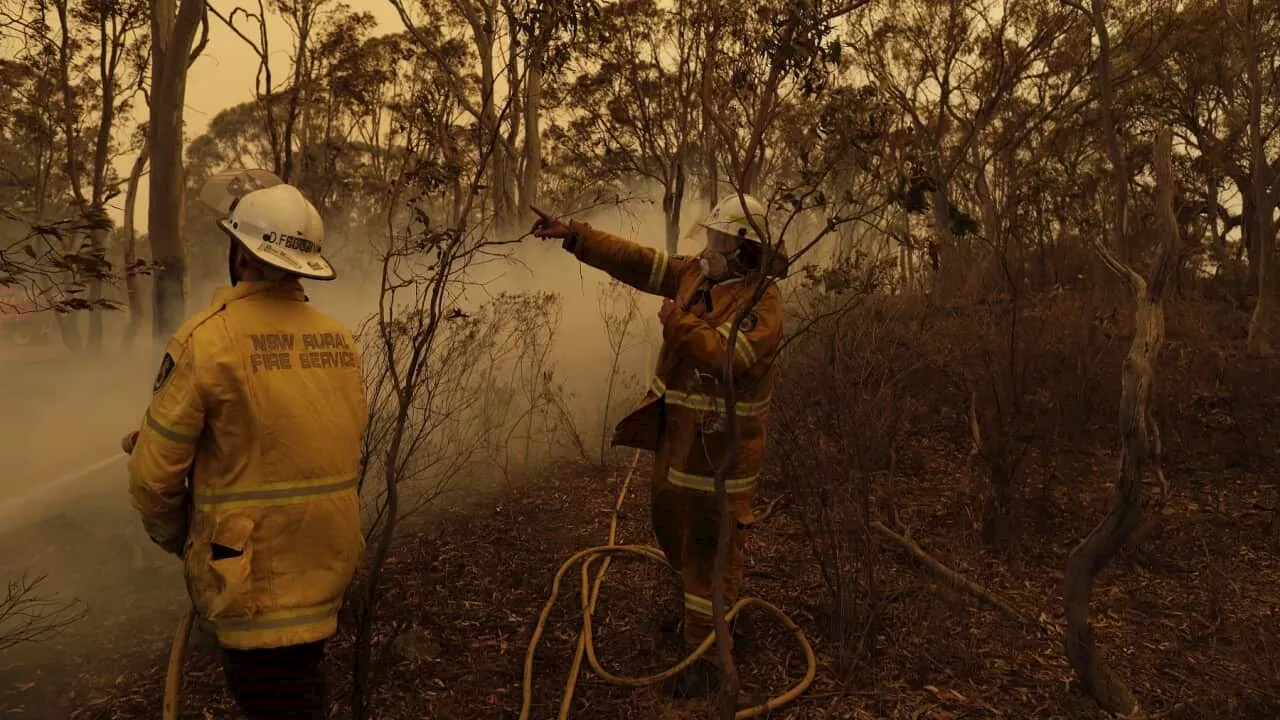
{"x": 687, "y": 523}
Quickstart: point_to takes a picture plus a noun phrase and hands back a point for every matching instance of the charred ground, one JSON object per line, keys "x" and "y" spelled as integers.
{"x": 1188, "y": 614}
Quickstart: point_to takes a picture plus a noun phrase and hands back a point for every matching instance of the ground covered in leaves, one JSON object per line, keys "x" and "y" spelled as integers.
{"x": 1189, "y": 618}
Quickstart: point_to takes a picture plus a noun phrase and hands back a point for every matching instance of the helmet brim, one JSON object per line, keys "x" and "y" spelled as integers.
{"x": 731, "y": 231}
{"x": 221, "y": 190}
{"x": 313, "y": 266}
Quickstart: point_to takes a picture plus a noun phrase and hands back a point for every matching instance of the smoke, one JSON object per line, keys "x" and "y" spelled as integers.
{"x": 66, "y": 512}
{"x": 543, "y": 381}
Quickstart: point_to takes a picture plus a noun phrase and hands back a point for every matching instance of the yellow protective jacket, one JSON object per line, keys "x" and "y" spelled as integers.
{"x": 683, "y": 412}
{"x": 253, "y": 439}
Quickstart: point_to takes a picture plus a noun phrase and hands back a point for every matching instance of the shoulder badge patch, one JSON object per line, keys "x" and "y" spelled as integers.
{"x": 749, "y": 323}
{"x": 166, "y": 367}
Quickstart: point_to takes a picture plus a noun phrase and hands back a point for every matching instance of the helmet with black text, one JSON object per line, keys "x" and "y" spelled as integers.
{"x": 280, "y": 228}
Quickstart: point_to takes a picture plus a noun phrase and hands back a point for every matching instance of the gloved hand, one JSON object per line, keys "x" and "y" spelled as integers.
{"x": 547, "y": 226}
{"x": 128, "y": 441}
{"x": 176, "y": 547}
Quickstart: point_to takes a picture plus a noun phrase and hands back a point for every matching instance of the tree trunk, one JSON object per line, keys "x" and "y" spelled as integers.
{"x": 68, "y": 103}
{"x": 306, "y": 12}
{"x": 514, "y": 114}
{"x": 361, "y": 691}
{"x": 672, "y": 206}
{"x": 108, "y": 52}
{"x": 727, "y": 522}
{"x": 69, "y": 330}
{"x": 489, "y": 128}
{"x": 98, "y": 241}
{"x": 987, "y": 273}
{"x": 908, "y": 269}
{"x": 173, "y": 30}
{"x": 132, "y": 289}
{"x": 1093, "y": 554}
{"x": 1248, "y": 233}
{"x": 69, "y": 324}
{"x": 991, "y": 438}
{"x": 532, "y": 139}
{"x": 950, "y": 270}
{"x": 1137, "y": 433}
{"x": 1217, "y": 238}
{"x": 711, "y": 182}
{"x": 1262, "y": 325}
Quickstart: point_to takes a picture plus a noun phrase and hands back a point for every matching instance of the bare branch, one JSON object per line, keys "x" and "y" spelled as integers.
{"x": 951, "y": 577}
{"x": 26, "y": 617}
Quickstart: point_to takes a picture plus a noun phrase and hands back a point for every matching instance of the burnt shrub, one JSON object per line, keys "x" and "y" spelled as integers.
{"x": 835, "y": 426}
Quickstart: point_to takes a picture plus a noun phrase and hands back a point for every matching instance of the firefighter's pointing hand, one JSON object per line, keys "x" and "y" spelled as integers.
{"x": 548, "y": 226}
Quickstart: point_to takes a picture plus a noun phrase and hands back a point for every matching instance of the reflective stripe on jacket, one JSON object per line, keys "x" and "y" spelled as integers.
{"x": 684, "y": 406}
{"x": 260, "y": 402}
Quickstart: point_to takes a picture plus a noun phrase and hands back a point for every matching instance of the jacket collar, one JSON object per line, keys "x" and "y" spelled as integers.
{"x": 281, "y": 289}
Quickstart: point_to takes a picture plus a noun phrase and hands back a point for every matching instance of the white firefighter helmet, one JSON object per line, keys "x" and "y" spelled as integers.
{"x": 281, "y": 228}
{"x": 729, "y": 216}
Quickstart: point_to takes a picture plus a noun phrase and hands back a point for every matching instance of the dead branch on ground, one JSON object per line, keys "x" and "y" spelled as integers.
{"x": 951, "y": 577}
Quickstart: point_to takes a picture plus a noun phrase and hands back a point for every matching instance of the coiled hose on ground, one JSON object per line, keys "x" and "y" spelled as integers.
{"x": 590, "y": 595}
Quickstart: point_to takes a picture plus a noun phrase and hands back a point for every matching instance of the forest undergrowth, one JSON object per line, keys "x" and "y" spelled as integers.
{"x": 1187, "y": 614}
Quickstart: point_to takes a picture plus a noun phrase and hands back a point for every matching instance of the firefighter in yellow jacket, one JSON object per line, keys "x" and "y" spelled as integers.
{"x": 682, "y": 416}
{"x": 245, "y": 465}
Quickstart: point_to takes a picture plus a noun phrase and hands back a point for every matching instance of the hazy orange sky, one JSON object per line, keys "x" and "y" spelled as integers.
{"x": 224, "y": 76}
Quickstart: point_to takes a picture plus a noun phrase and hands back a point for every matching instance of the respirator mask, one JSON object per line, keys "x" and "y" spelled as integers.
{"x": 718, "y": 259}
{"x": 715, "y": 265}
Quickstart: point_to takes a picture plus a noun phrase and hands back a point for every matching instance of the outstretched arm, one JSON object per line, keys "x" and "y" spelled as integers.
{"x": 643, "y": 268}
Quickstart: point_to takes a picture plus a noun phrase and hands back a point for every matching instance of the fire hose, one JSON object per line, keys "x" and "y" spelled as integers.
{"x": 590, "y": 596}
{"x": 586, "y": 645}
{"x": 177, "y": 653}
{"x": 181, "y": 637}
